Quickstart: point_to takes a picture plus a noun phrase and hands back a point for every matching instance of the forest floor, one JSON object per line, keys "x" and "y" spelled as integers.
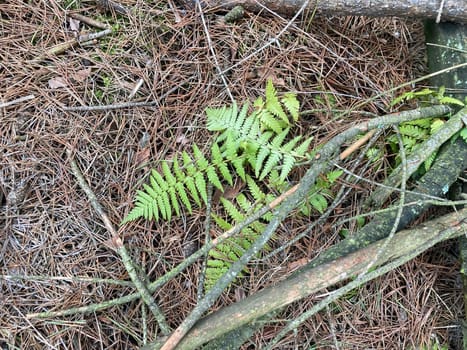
{"x": 54, "y": 246}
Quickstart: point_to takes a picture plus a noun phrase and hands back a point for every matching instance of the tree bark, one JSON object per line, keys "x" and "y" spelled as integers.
{"x": 452, "y": 10}
{"x": 446, "y": 47}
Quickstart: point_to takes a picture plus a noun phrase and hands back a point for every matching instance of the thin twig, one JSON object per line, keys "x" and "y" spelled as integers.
{"x": 60, "y": 48}
{"x": 114, "y": 6}
{"x": 124, "y": 104}
{"x": 207, "y": 239}
{"x": 18, "y": 100}
{"x": 213, "y": 53}
{"x": 110, "y": 107}
{"x": 67, "y": 279}
{"x": 440, "y": 11}
{"x": 89, "y": 21}
{"x": 120, "y": 248}
{"x": 356, "y": 145}
{"x": 444, "y": 203}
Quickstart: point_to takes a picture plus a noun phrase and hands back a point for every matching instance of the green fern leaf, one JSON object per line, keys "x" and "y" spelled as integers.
{"x": 219, "y": 119}
{"x": 200, "y": 183}
{"x": 201, "y": 161}
{"x": 423, "y": 123}
{"x": 319, "y": 202}
{"x": 238, "y": 165}
{"x": 232, "y": 210}
{"x": 213, "y": 178}
{"x": 287, "y": 165}
{"x": 272, "y": 102}
{"x": 292, "y": 105}
{"x": 136, "y": 213}
{"x": 436, "y": 125}
{"x": 183, "y": 196}
{"x": 272, "y": 161}
{"x": 268, "y": 121}
{"x": 303, "y": 148}
{"x": 463, "y": 134}
{"x": 255, "y": 191}
{"x": 279, "y": 139}
{"x": 429, "y": 161}
{"x": 149, "y": 200}
{"x": 179, "y": 174}
{"x": 289, "y": 146}
{"x": 243, "y": 202}
{"x": 332, "y": 176}
{"x": 160, "y": 185}
{"x": 219, "y": 163}
{"x": 191, "y": 186}
{"x": 413, "y": 131}
{"x": 171, "y": 182}
{"x": 262, "y": 154}
{"x": 223, "y": 224}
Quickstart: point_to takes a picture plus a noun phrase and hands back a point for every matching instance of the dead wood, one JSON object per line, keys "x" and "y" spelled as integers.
{"x": 450, "y": 10}
{"x": 326, "y": 275}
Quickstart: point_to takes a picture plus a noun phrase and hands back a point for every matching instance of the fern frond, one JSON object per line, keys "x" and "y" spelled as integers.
{"x": 287, "y": 165}
{"x": 319, "y": 202}
{"x": 213, "y": 178}
{"x": 413, "y": 131}
{"x": 272, "y": 161}
{"x": 231, "y": 250}
{"x": 273, "y": 104}
{"x": 231, "y": 210}
{"x": 429, "y": 161}
{"x": 255, "y": 191}
{"x": 268, "y": 121}
{"x": 219, "y": 162}
{"x": 200, "y": 183}
{"x": 292, "y": 105}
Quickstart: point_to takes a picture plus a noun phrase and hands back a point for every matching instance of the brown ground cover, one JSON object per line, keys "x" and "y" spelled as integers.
{"x": 50, "y": 233}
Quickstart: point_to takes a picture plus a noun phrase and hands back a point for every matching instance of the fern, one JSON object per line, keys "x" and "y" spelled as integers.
{"x": 254, "y": 146}
{"x": 413, "y": 134}
{"x": 175, "y": 184}
{"x": 222, "y": 257}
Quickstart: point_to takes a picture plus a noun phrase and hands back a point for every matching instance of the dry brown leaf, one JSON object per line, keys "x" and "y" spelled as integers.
{"x": 57, "y": 82}
{"x": 81, "y": 75}
{"x": 142, "y": 156}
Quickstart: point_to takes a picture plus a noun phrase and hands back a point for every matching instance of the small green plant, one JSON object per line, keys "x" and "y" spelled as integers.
{"x": 255, "y": 147}
{"x": 427, "y": 96}
{"x": 415, "y": 132}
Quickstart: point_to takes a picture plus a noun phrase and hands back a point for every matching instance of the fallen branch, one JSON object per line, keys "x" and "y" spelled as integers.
{"x": 452, "y": 10}
{"x": 309, "y": 281}
{"x": 62, "y": 47}
{"x": 16, "y": 101}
